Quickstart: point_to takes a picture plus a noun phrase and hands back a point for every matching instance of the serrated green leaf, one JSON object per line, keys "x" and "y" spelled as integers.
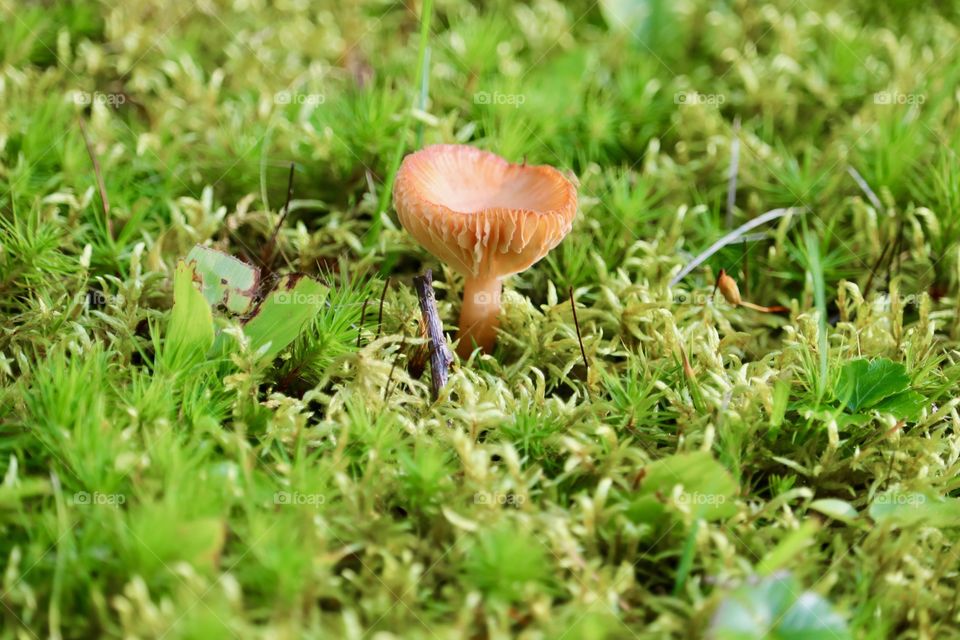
{"x": 284, "y": 313}
{"x": 864, "y": 383}
{"x": 907, "y": 405}
{"x": 226, "y": 279}
{"x": 856, "y": 419}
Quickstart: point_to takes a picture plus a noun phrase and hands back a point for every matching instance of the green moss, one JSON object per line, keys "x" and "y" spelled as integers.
{"x": 325, "y": 492}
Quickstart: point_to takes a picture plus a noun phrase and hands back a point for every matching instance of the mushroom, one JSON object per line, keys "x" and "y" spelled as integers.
{"x": 484, "y": 217}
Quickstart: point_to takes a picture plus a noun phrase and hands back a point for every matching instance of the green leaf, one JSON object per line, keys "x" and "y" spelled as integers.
{"x": 226, "y": 280}
{"x": 913, "y": 508}
{"x": 864, "y": 383}
{"x": 645, "y": 509}
{"x": 707, "y": 485}
{"x": 776, "y": 608}
{"x": 191, "y": 331}
{"x": 907, "y": 405}
{"x": 284, "y": 313}
{"x": 844, "y": 420}
{"x": 834, "y": 508}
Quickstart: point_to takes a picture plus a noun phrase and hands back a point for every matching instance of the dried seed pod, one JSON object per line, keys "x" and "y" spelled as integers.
{"x": 728, "y": 287}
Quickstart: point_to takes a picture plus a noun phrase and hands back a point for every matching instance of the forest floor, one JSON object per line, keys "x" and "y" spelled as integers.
{"x": 698, "y": 469}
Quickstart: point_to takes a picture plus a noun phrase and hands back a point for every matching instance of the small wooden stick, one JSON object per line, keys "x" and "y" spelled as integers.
{"x": 762, "y": 309}
{"x": 104, "y": 200}
{"x": 418, "y": 361}
{"x": 876, "y": 265}
{"x": 266, "y": 256}
{"x": 583, "y": 352}
{"x": 383, "y": 294}
{"x": 898, "y": 255}
{"x": 363, "y": 317}
{"x": 393, "y": 367}
{"x": 440, "y": 356}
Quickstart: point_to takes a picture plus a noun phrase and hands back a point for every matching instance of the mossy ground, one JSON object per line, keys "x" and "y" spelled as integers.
{"x": 326, "y": 494}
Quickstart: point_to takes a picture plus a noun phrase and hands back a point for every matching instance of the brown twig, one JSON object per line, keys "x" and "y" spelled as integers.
{"x": 383, "y": 295}
{"x": 756, "y": 307}
{"x": 393, "y": 367}
{"x": 895, "y": 247}
{"x": 440, "y": 356}
{"x": 417, "y": 363}
{"x": 898, "y": 255}
{"x": 266, "y": 256}
{"x": 363, "y": 317}
{"x": 583, "y": 352}
{"x": 876, "y": 265}
{"x": 104, "y": 200}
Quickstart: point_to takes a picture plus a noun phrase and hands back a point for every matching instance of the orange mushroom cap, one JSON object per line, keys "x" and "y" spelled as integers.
{"x": 482, "y": 215}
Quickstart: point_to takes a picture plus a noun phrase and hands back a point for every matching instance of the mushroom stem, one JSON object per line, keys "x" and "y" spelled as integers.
{"x": 480, "y": 315}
